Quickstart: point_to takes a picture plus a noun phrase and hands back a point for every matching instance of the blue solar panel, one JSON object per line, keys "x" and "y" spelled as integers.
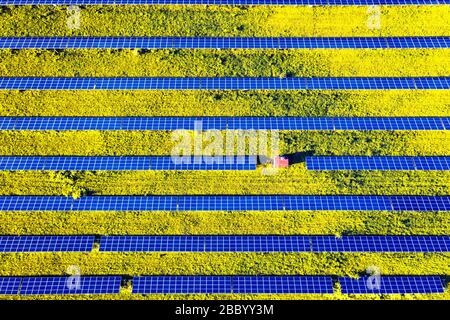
{"x": 182, "y": 284}
{"x": 232, "y": 284}
{"x": 221, "y": 43}
{"x": 223, "y": 123}
{"x": 224, "y": 203}
{"x": 377, "y": 163}
{"x": 205, "y": 243}
{"x": 283, "y": 284}
{"x": 66, "y": 285}
{"x": 350, "y": 83}
{"x": 46, "y": 243}
{"x": 273, "y": 243}
{"x": 9, "y": 285}
{"x": 392, "y": 285}
{"x": 380, "y": 244}
{"x": 227, "y": 2}
{"x": 128, "y": 163}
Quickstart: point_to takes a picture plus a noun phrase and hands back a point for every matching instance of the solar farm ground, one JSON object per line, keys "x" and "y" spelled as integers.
{"x": 225, "y": 21}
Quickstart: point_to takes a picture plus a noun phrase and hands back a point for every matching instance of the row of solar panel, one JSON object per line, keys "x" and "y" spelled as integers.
{"x": 222, "y": 43}
{"x": 263, "y": 83}
{"x": 259, "y": 243}
{"x": 378, "y": 163}
{"x": 224, "y": 123}
{"x": 136, "y": 163}
{"x": 220, "y": 285}
{"x": 227, "y": 2}
{"x": 129, "y": 163}
{"x": 225, "y": 203}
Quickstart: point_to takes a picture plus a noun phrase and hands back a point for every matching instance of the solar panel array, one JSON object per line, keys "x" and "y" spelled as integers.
{"x": 71, "y": 285}
{"x": 272, "y": 243}
{"x": 224, "y": 123}
{"x": 262, "y": 83}
{"x": 9, "y": 285}
{"x": 378, "y": 163}
{"x": 65, "y": 285}
{"x": 129, "y": 163}
{"x": 233, "y": 284}
{"x": 46, "y": 243}
{"x": 224, "y": 203}
{"x": 226, "y": 2}
{"x": 222, "y": 43}
{"x": 392, "y": 285}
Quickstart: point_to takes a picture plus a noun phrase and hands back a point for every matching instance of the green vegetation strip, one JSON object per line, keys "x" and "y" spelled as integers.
{"x": 341, "y": 264}
{"x": 97, "y": 143}
{"x": 222, "y": 63}
{"x": 226, "y": 21}
{"x": 259, "y": 222}
{"x": 226, "y": 103}
{"x": 294, "y": 181}
{"x": 126, "y": 294}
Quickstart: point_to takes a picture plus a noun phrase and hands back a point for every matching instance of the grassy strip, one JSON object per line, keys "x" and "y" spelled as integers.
{"x": 226, "y": 103}
{"x": 341, "y": 264}
{"x": 128, "y": 296}
{"x": 226, "y": 21}
{"x": 221, "y": 63}
{"x": 298, "y": 143}
{"x": 259, "y": 222}
{"x": 296, "y": 180}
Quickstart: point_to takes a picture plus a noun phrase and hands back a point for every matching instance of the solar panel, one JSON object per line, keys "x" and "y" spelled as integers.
{"x": 232, "y": 284}
{"x": 274, "y": 243}
{"x": 205, "y": 243}
{"x": 283, "y": 284}
{"x": 377, "y": 163}
{"x": 46, "y": 243}
{"x": 349, "y": 83}
{"x": 221, "y": 43}
{"x": 181, "y": 284}
{"x": 9, "y": 285}
{"x": 128, "y": 163}
{"x": 226, "y": 2}
{"x": 224, "y": 203}
{"x": 392, "y": 285}
{"x": 69, "y": 285}
{"x": 223, "y": 123}
{"x": 380, "y": 243}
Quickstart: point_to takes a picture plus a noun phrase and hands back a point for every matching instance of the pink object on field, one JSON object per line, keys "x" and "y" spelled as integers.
{"x": 280, "y": 162}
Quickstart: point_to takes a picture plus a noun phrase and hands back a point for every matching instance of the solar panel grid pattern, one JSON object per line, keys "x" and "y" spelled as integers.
{"x": 224, "y": 203}
{"x": 377, "y": 163}
{"x": 9, "y": 285}
{"x": 224, "y": 123}
{"x": 128, "y": 163}
{"x": 221, "y": 43}
{"x": 232, "y": 284}
{"x": 46, "y": 243}
{"x": 392, "y": 285}
{"x": 272, "y": 243}
{"x": 226, "y": 2}
{"x": 263, "y": 83}
{"x": 68, "y": 285}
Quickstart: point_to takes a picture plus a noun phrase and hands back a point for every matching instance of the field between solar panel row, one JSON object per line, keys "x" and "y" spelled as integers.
{"x": 226, "y": 21}
{"x": 297, "y": 144}
{"x": 338, "y": 103}
{"x": 214, "y": 63}
{"x": 290, "y": 181}
{"x": 254, "y": 222}
{"x": 210, "y": 263}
